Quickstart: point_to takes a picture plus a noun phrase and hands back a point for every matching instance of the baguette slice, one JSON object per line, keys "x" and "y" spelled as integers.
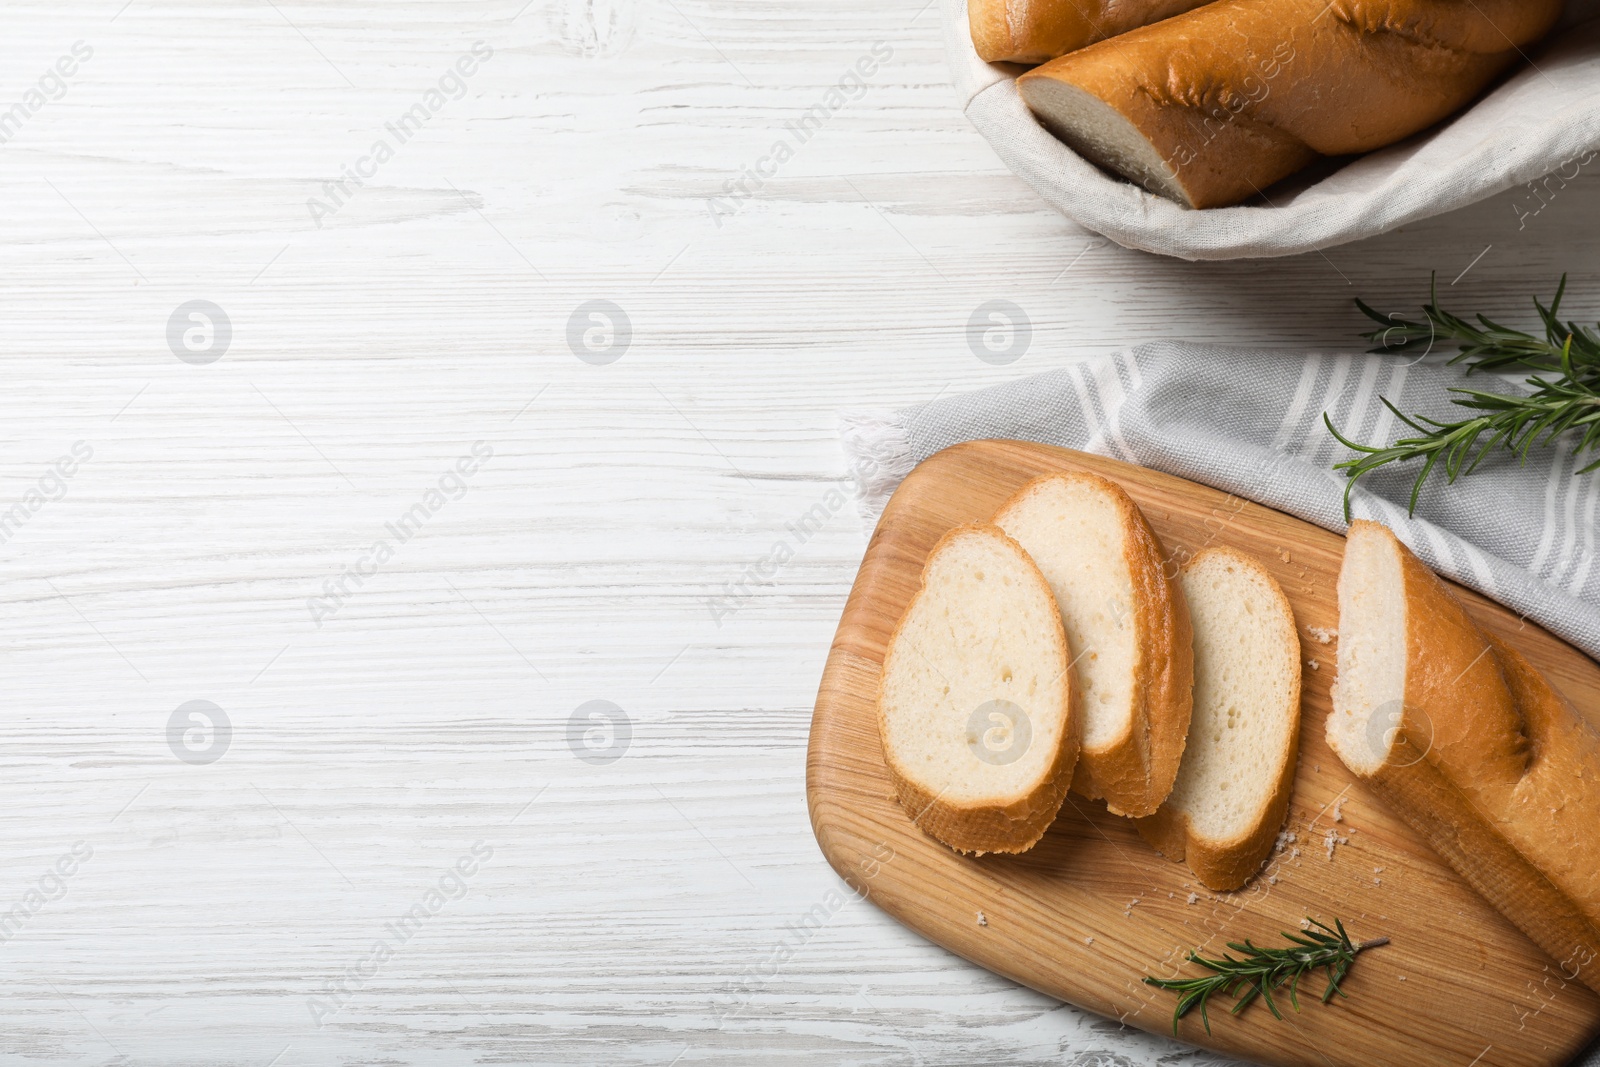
{"x": 1128, "y": 627}
{"x": 1035, "y": 31}
{"x": 976, "y": 702}
{"x": 1212, "y": 106}
{"x": 1238, "y": 767}
{"x": 1466, "y": 741}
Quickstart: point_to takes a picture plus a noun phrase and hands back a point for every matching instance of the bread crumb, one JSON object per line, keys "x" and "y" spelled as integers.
{"x": 1088, "y": 941}
{"x": 1294, "y": 854}
{"x": 1272, "y": 879}
{"x": 1338, "y": 811}
{"x": 1377, "y": 870}
{"x": 1333, "y": 840}
{"x": 1402, "y": 978}
{"x": 1322, "y": 634}
{"x": 1305, "y": 924}
{"x": 981, "y": 920}
{"x": 1313, "y": 664}
{"x": 1193, "y": 897}
{"x": 1377, "y": 881}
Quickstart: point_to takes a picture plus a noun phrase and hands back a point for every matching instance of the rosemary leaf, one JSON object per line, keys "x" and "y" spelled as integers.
{"x": 1258, "y": 971}
{"x": 1565, "y": 395}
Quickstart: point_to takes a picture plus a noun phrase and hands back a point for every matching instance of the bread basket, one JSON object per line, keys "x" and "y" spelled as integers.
{"x": 1542, "y": 120}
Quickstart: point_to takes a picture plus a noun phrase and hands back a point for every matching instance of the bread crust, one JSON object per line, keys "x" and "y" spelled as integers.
{"x": 1134, "y": 772}
{"x": 1499, "y": 773}
{"x": 1036, "y": 31}
{"x": 1228, "y": 864}
{"x": 1238, "y": 94}
{"x": 979, "y": 828}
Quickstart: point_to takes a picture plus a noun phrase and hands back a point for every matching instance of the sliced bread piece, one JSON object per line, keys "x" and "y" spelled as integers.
{"x": 1468, "y": 743}
{"x": 1232, "y": 790}
{"x": 976, "y": 701}
{"x": 1127, "y": 626}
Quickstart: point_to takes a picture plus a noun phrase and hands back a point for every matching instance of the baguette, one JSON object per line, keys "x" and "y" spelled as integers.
{"x": 976, "y": 704}
{"x": 1127, "y": 625}
{"x": 1232, "y": 790}
{"x": 1211, "y": 107}
{"x": 1034, "y": 31}
{"x": 1471, "y": 746}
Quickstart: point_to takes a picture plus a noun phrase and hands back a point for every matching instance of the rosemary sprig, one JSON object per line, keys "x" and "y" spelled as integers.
{"x": 1262, "y": 970}
{"x": 1568, "y": 400}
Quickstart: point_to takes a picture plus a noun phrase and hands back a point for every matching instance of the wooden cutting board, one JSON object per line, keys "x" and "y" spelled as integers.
{"x": 1092, "y": 909}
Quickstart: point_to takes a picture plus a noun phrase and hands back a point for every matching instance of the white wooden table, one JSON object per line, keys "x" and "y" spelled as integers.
{"x": 247, "y": 520}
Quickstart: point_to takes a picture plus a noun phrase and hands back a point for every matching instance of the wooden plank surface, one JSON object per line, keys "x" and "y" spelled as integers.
{"x": 620, "y": 508}
{"x": 1091, "y": 910}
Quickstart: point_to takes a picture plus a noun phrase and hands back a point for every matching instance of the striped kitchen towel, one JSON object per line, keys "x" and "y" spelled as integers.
{"x": 1249, "y": 422}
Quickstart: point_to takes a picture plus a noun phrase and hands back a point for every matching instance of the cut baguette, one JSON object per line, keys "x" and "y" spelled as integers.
{"x": 976, "y": 702}
{"x": 1034, "y": 31}
{"x": 1128, "y": 627}
{"x": 1214, "y": 105}
{"x": 1232, "y": 790}
{"x": 1471, "y": 746}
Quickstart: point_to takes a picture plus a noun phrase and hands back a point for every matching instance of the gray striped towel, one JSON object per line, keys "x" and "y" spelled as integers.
{"x": 1249, "y": 422}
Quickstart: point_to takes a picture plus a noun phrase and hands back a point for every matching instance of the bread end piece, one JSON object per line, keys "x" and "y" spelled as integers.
{"x": 1232, "y": 790}
{"x": 1463, "y": 739}
{"x": 1101, "y": 111}
{"x": 1099, "y": 132}
{"x": 977, "y": 700}
{"x": 1415, "y": 672}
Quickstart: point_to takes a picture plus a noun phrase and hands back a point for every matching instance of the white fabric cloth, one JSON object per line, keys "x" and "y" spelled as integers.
{"x": 1544, "y": 119}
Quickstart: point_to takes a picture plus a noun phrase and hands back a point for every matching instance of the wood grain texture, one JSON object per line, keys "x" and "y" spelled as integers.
{"x": 1091, "y": 910}
{"x": 616, "y": 923}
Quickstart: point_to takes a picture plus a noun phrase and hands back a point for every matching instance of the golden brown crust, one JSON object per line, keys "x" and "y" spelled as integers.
{"x": 1454, "y": 681}
{"x": 991, "y": 33}
{"x": 1134, "y": 773}
{"x": 1437, "y": 808}
{"x": 1166, "y": 666}
{"x": 980, "y": 828}
{"x": 1235, "y": 95}
{"x": 1166, "y": 831}
{"x": 1227, "y": 865}
{"x": 1499, "y": 774}
{"x": 1035, "y": 31}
